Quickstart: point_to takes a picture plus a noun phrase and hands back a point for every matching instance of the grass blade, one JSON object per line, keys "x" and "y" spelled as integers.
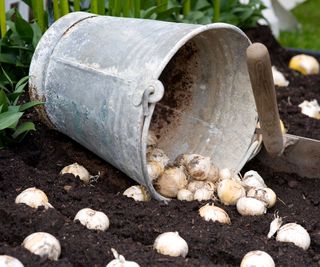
{"x": 186, "y": 7}
{"x": 117, "y": 8}
{"x": 126, "y": 8}
{"x": 56, "y": 10}
{"x": 64, "y": 7}
{"x": 137, "y": 7}
{"x": 76, "y": 5}
{"x": 101, "y": 7}
{"x": 3, "y": 18}
{"x": 216, "y": 13}
{"x": 94, "y": 6}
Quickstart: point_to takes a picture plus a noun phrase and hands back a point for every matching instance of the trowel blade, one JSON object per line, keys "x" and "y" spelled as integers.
{"x": 301, "y": 156}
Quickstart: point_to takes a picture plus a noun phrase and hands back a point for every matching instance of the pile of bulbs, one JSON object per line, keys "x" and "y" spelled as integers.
{"x": 194, "y": 177}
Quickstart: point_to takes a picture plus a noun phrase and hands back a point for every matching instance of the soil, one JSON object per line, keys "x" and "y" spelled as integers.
{"x": 134, "y": 226}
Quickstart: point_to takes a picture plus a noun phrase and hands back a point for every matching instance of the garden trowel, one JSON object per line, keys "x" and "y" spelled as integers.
{"x": 282, "y": 152}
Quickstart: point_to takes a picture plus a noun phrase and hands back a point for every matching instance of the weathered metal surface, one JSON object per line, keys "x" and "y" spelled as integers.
{"x": 301, "y": 156}
{"x": 99, "y": 77}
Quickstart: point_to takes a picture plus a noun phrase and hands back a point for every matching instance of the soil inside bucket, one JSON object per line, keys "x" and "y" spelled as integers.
{"x": 134, "y": 226}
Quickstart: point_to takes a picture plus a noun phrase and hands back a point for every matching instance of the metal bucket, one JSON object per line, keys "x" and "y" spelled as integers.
{"x": 106, "y": 81}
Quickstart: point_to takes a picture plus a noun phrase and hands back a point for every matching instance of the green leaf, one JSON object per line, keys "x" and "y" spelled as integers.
{"x": 3, "y": 101}
{"x": 8, "y": 58}
{"x": 152, "y": 10}
{"x": 24, "y": 29}
{"x": 7, "y": 119}
{"x": 14, "y": 108}
{"x": 30, "y": 105}
{"x": 167, "y": 13}
{"x": 24, "y": 128}
{"x": 7, "y": 77}
{"x": 36, "y": 34}
{"x": 21, "y": 84}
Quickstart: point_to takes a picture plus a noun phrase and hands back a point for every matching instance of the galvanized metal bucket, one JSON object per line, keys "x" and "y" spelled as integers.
{"x": 106, "y": 81}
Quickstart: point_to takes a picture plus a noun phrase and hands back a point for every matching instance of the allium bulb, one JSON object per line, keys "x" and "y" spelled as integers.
{"x": 198, "y": 167}
{"x": 171, "y": 244}
{"x": 120, "y": 261}
{"x": 212, "y": 213}
{"x": 294, "y": 233}
{"x": 34, "y": 198}
{"x": 185, "y": 195}
{"x": 266, "y": 195}
{"x": 253, "y": 179}
{"x": 155, "y": 169}
{"x": 77, "y": 170}
{"x": 8, "y": 261}
{"x": 171, "y": 181}
{"x": 43, "y": 244}
{"x": 158, "y": 155}
{"x": 93, "y": 220}
{"x": 229, "y": 191}
{"x": 137, "y": 192}
{"x": 257, "y": 258}
{"x": 248, "y": 206}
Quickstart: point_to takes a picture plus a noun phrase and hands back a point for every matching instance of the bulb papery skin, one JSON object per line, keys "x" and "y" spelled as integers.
{"x": 212, "y": 213}
{"x": 252, "y": 179}
{"x": 278, "y": 78}
{"x": 311, "y": 109}
{"x": 203, "y": 194}
{"x": 152, "y": 139}
{"x": 171, "y": 181}
{"x": 210, "y": 186}
{"x": 193, "y": 186}
{"x": 120, "y": 261}
{"x": 257, "y": 258}
{"x": 230, "y": 191}
{"x": 93, "y": 220}
{"x": 8, "y": 261}
{"x": 275, "y": 225}
{"x": 77, "y": 170}
{"x": 282, "y": 127}
{"x": 248, "y": 206}
{"x": 34, "y": 198}
{"x": 155, "y": 169}
{"x": 185, "y": 195}
{"x": 171, "y": 244}
{"x": 225, "y": 173}
{"x": 266, "y": 195}
{"x": 198, "y": 167}
{"x": 158, "y": 155}
{"x": 213, "y": 175}
{"x": 305, "y": 64}
{"x": 294, "y": 233}
{"x": 43, "y": 244}
{"x": 137, "y": 192}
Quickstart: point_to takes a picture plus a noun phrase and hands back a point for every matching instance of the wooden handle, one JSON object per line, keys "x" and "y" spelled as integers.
{"x": 259, "y": 67}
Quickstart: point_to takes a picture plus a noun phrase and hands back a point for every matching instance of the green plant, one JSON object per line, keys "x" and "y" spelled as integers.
{"x": 242, "y": 15}
{"x": 11, "y": 111}
{"x": 17, "y": 47}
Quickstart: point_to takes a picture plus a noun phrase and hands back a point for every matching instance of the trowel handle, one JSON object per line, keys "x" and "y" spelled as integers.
{"x": 259, "y": 67}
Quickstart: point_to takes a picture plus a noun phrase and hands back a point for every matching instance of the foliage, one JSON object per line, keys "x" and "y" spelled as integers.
{"x": 308, "y": 37}
{"x": 17, "y": 47}
{"x": 188, "y": 11}
{"x": 11, "y": 111}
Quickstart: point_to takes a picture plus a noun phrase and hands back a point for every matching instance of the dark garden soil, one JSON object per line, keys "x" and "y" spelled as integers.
{"x": 134, "y": 226}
